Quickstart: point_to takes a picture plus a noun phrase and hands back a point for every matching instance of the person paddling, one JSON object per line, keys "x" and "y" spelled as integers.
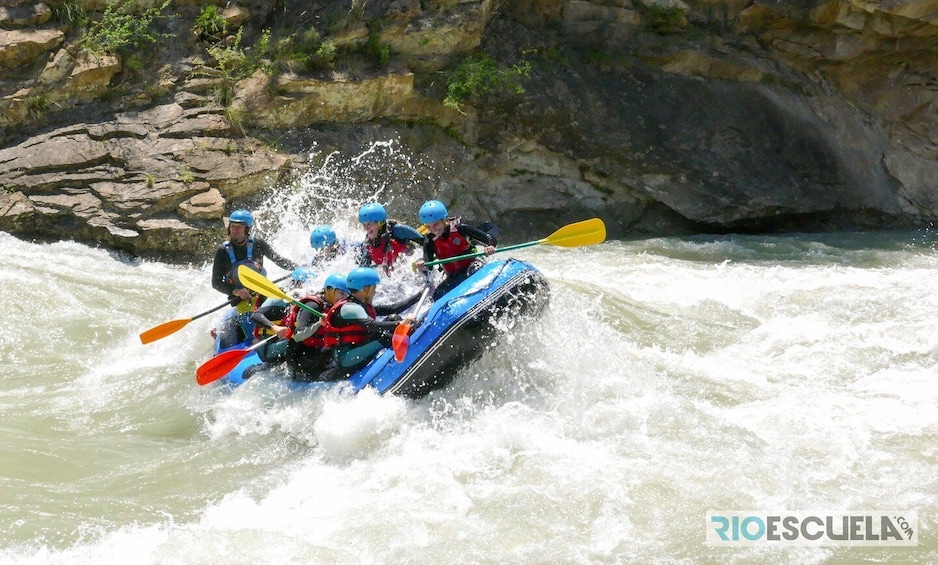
{"x": 270, "y": 312}
{"x": 306, "y": 354}
{"x": 448, "y": 237}
{"x": 385, "y": 240}
{"x": 351, "y": 327}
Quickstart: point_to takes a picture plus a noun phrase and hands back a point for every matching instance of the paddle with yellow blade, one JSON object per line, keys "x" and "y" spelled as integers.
{"x": 173, "y": 326}
{"x": 587, "y": 232}
{"x": 260, "y": 284}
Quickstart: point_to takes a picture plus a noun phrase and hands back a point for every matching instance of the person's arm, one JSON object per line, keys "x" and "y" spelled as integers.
{"x": 398, "y": 307}
{"x": 381, "y": 327}
{"x": 356, "y": 313}
{"x": 429, "y": 249}
{"x": 364, "y": 259}
{"x": 429, "y": 252}
{"x": 309, "y": 330}
{"x": 220, "y": 268}
{"x": 407, "y": 233}
{"x": 306, "y": 322}
{"x": 477, "y": 235}
{"x": 263, "y": 249}
{"x": 305, "y": 319}
{"x": 261, "y": 316}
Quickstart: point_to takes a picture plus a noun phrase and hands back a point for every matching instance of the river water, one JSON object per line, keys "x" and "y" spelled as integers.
{"x": 670, "y": 378}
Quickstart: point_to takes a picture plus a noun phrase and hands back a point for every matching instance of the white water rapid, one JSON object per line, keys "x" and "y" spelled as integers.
{"x": 669, "y": 378}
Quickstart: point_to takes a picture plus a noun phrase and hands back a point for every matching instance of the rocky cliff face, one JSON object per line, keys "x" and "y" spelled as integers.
{"x": 658, "y": 116}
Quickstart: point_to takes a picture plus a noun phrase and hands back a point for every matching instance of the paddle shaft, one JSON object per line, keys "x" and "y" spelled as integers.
{"x": 423, "y": 298}
{"x": 586, "y": 232}
{"x": 220, "y": 306}
{"x": 400, "y": 341}
{"x": 262, "y": 342}
{"x": 207, "y": 312}
{"x": 481, "y": 253}
{"x": 173, "y": 326}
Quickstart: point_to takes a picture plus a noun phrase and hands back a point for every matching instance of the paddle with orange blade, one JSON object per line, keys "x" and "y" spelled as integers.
{"x": 173, "y": 326}
{"x": 222, "y": 364}
{"x": 400, "y": 341}
{"x": 587, "y": 232}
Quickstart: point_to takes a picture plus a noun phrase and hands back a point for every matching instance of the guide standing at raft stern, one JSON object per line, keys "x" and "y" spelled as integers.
{"x": 448, "y": 237}
{"x": 242, "y": 248}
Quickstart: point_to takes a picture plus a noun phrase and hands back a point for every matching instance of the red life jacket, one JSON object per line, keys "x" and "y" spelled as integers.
{"x": 341, "y": 332}
{"x": 386, "y": 248}
{"x": 318, "y": 339}
{"x": 452, "y": 244}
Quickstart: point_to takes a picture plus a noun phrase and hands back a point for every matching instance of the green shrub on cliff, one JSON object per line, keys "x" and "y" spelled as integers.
{"x": 237, "y": 62}
{"x": 380, "y": 52}
{"x": 479, "y": 77}
{"x": 303, "y": 50}
{"x": 119, "y": 30}
{"x": 36, "y": 106}
{"x": 665, "y": 19}
{"x": 210, "y": 25}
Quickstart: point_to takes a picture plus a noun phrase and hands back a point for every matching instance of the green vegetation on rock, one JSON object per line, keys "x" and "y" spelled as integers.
{"x": 666, "y": 19}
{"x": 210, "y": 25}
{"x": 480, "y": 76}
{"x": 119, "y": 30}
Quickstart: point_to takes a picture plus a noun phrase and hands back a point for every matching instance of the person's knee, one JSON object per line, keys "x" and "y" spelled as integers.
{"x": 358, "y": 357}
{"x": 254, "y": 369}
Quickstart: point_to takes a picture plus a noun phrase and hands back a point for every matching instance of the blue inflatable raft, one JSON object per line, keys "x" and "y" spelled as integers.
{"x": 454, "y": 332}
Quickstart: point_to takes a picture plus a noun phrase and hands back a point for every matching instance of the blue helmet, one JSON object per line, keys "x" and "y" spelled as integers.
{"x": 361, "y": 277}
{"x": 242, "y": 217}
{"x": 302, "y": 274}
{"x": 322, "y": 236}
{"x": 336, "y": 281}
{"x": 432, "y": 211}
{"x": 373, "y": 212}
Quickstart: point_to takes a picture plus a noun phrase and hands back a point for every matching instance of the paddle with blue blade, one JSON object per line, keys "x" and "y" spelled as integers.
{"x": 587, "y": 232}
{"x": 173, "y": 326}
{"x": 222, "y": 364}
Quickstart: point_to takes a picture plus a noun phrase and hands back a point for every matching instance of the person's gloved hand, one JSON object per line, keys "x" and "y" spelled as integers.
{"x": 282, "y": 332}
